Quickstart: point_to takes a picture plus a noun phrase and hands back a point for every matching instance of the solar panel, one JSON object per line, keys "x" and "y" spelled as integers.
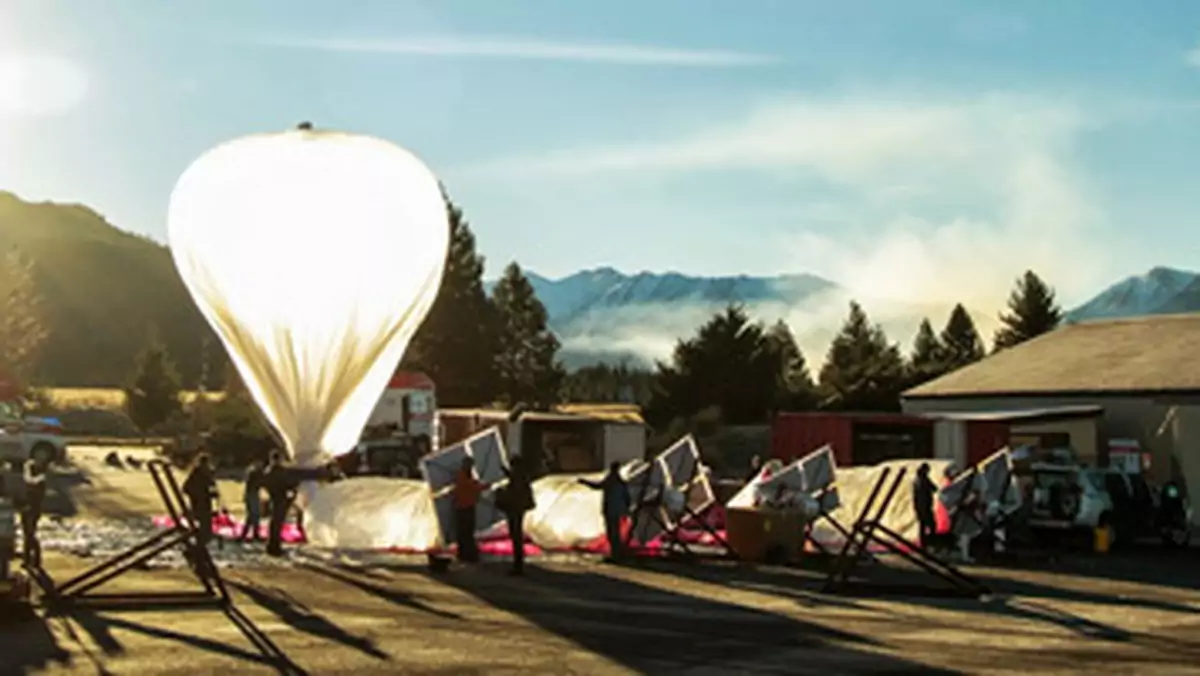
{"x": 487, "y": 451}
{"x": 819, "y": 469}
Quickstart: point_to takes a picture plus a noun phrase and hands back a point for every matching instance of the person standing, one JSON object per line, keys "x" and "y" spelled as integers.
{"x": 466, "y": 496}
{"x": 200, "y": 487}
{"x": 755, "y": 468}
{"x": 281, "y": 490}
{"x": 252, "y": 499}
{"x": 923, "y": 490}
{"x": 31, "y": 512}
{"x": 515, "y": 500}
{"x": 615, "y": 506}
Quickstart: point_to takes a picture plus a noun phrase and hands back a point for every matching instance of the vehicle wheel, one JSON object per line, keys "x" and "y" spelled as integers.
{"x": 44, "y": 452}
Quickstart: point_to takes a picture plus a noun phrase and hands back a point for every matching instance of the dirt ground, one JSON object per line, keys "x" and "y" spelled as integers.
{"x": 1134, "y": 612}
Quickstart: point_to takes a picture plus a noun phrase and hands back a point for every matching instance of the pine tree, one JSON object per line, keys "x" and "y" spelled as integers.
{"x": 607, "y": 383}
{"x": 526, "y": 363}
{"x": 152, "y": 393}
{"x": 961, "y": 344}
{"x": 927, "y": 360}
{"x": 729, "y": 365}
{"x": 1032, "y": 311}
{"x": 456, "y": 344}
{"x": 23, "y": 324}
{"x": 863, "y": 370}
{"x": 795, "y": 389}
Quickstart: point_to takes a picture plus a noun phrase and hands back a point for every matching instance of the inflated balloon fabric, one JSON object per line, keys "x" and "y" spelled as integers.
{"x": 371, "y": 513}
{"x": 567, "y": 513}
{"x": 315, "y": 256}
{"x": 854, "y": 485}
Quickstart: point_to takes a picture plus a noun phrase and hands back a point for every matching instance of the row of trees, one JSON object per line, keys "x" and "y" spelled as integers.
{"x": 748, "y": 370}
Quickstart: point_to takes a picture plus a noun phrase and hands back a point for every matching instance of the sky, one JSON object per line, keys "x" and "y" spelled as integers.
{"x": 925, "y": 150}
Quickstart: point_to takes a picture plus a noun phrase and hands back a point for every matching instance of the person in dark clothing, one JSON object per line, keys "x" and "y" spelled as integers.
{"x": 200, "y": 487}
{"x": 252, "y": 499}
{"x": 466, "y": 496}
{"x": 515, "y": 500}
{"x": 923, "y": 491}
{"x": 31, "y": 512}
{"x": 281, "y": 491}
{"x": 615, "y": 505}
{"x": 755, "y": 468}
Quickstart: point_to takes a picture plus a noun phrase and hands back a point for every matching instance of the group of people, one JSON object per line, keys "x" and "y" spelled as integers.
{"x": 276, "y": 478}
{"x": 515, "y": 499}
{"x": 25, "y": 486}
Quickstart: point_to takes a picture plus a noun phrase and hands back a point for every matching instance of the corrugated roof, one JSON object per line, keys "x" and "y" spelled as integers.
{"x": 1148, "y": 354}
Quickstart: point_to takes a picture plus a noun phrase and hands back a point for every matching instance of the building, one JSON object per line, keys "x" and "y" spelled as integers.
{"x": 571, "y": 438}
{"x": 965, "y": 437}
{"x": 1141, "y": 374}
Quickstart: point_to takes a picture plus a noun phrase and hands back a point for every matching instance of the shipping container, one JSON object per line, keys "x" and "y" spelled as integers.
{"x": 856, "y": 438}
{"x": 871, "y": 438}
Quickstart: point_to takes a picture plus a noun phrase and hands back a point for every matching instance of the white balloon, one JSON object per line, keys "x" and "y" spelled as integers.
{"x": 315, "y": 256}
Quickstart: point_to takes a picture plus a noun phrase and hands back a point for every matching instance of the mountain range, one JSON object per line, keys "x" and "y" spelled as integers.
{"x": 105, "y": 288}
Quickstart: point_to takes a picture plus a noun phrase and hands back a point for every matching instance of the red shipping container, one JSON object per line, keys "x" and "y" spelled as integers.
{"x": 794, "y": 435}
{"x": 985, "y": 437}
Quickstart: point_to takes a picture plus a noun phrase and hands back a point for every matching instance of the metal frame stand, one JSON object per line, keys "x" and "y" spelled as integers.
{"x": 183, "y": 534}
{"x": 869, "y": 528}
{"x": 670, "y": 534}
{"x": 823, "y": 515}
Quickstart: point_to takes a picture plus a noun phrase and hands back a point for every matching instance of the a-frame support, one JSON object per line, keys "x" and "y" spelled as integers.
{"x": 183, "y": 534}
{"x": 869, "y": 528}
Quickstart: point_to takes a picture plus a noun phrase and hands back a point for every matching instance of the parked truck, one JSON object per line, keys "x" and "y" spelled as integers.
{"x": 400, "y": 430}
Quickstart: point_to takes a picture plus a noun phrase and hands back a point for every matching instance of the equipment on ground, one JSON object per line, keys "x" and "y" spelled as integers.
{"x": 869, "y": 527}
{"x": 670, "y": 493}
{"x": 182, "y": 534}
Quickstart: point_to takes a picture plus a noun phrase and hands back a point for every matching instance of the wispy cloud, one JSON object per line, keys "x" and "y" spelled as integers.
{"x": 947, "y": 200}
{"x": 521, "y": 48}
{"x": 1192, "y": 56}
{"x": 33, "y": 85}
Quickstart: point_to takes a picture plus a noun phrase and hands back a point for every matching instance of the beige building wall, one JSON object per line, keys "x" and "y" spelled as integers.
{"x": 1168, "y": 427}
{"x": 1084, "y": 433}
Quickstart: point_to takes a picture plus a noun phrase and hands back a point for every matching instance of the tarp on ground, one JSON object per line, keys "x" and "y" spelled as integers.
{"x": 854, "y": 488}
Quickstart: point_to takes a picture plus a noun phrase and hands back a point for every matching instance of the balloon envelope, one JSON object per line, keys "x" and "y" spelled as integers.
{"x": 315, "y": 256}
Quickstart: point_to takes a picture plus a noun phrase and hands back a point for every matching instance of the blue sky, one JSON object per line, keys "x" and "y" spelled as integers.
{"x": 918, "y": 150}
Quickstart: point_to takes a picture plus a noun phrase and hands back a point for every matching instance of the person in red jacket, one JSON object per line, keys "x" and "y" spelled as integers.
{"x": 466, "y": 496}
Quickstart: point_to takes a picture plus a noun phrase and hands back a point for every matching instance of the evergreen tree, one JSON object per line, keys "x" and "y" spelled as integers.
{"x": 1032, "y": 311}
{"x": 606, "y": 383}
{"x": 926, "y": 361}
{"x": 961, "y": 344}
{"x": 729, "y": 364}
{"x": 863, "y": 370}
{"x": 23, "y": 324}
{"x": 152, "y": 393}
{"x": 456, "y": 344}
{"x": 795, "y": 389}
{"x": 526, "y": 363}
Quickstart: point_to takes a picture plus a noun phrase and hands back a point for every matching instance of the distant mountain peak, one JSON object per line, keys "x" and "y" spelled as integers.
{"x": 1160, "y": 290}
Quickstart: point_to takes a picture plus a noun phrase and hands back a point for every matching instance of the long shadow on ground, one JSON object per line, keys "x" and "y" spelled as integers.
{"x": 303, "y": 618}
{"x": 1038, "y": 603}
{"x": 652, "y": 629}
